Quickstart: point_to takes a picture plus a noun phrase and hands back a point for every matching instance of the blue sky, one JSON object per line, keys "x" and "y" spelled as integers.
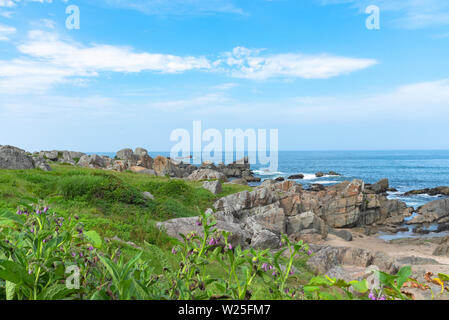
{"x": 138, "y": 69}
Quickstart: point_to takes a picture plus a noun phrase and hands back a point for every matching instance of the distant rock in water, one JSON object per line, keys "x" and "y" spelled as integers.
{"x": 443, "y": 190}
{"x": 432, "y": 212}
{"x": 296, "y": 177}
{"x": 321, "y": 174}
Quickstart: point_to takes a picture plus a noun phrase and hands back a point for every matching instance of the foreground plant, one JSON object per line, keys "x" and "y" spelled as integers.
{"x": 37, "y": 247}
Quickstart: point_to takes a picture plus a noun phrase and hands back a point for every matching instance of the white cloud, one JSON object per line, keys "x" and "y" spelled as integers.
{"x": 250, "y": 64}
{"x": 7, "y": 3}
{"x": 177, "y": 7}
{"x": 6, "y": 31}
{"x": 51, "y": 60}
{"x": 413, "y": 14}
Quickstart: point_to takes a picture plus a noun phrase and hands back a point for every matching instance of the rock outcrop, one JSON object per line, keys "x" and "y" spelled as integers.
{"x": 432, "y": 212}
{"x": 285, "y": 208}
{"x": 17, "y": 159}
{"x": 443, "y": 190}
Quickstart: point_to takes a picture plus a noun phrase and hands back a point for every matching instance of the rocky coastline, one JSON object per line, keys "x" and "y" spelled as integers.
{"x": 341, "y": 222}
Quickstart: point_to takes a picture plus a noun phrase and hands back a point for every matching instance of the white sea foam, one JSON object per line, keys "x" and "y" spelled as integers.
{"x": 266, "y": 172}
{"x": 326, "y": 182}
{"x": 309, "y": 176}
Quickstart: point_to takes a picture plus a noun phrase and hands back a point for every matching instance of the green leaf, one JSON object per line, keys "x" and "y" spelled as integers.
{"x": 360, "y": 286}
{"x": 94, "y": 238}
{"x": 403, "y": 275}
{"x": 10, "y": 290}
{"x": 443, "y": 277}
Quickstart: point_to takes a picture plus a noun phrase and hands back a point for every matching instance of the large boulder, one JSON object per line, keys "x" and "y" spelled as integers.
{"x": 166, "y": 167}
{"x": 431, "y": 212}
{"x": 15, "y": 158}
{"x": 92, "y": 161}
{"x": 305, "y": 221}
{"x": 125, "y": 154}
{"x": 379, "y": 187}
{"x": 184, "y": 226}
{"x": 213, "y": 186}
{"x": 206, "y": 174}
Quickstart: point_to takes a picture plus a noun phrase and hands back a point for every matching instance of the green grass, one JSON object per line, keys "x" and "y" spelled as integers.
{"x": 112, "y": 204}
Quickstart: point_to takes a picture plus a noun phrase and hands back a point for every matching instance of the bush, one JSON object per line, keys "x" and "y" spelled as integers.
{"x": 98, "y": 186}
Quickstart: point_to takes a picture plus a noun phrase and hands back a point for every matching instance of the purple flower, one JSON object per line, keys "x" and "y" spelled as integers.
{"x": 265, "y": 266}
{"x": 81, "y": 254}
{"x": 32, "y": 230}
{"x": 271, "y": 268}
{"x": 212, "y": 242}
{"x": 372, "y": 296}
{"x": 382, "y": 298}
{"x": 38, "y": 211}
{"x": 30, "y": 271}
{"x": 90, "y": 248}
{"x": 310, "y": 252}
{"x": 230, "y": 246}
{"x": 198, "y": 223}
{"x": 292, "y": 272}
{"x": 19, "y": 212}
{"x": 45, "y": 209}
{"x": 274, "y": 274}
{"x": 174, "y": 251}
{"x": 73, "y": 254}
{"x": 45, "y": 241}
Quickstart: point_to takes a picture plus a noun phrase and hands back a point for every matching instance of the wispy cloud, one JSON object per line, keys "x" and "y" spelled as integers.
{"x": 409, "y": 14}
{"x": 49, "y": 59}
{"x": 6, "y": 32}
{"x": 177, "y": 7}
{"x": 251, "y": 64}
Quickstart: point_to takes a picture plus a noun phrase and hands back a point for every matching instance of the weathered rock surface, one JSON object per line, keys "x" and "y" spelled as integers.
{"x": 17, "y": 159}
{"x": 213, "y": 186}
{"x": 206, "y": 174}
{"x": 187, "y": 225}
{"x": 379, "y": 187}
{"x": 431, "y": 212}
{"x": 442, "y": 190}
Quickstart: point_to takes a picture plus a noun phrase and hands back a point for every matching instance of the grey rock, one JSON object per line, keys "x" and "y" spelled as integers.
{"x": 431, "y": 212}
{"x": 344, "y": 234}
{"x": 265, "y": 240}
{"x": 148, "y": 196}
{"x": 213, "y": 186}
{"x": 206, "y": 174}
{"x": 125, "y": 154}
{"x": 140, "y": 152}
{"x": 15, "y": 158}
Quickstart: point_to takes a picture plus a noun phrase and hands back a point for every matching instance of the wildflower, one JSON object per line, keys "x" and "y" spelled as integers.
{"x": 19, "y": 212}
{"x": 45, "y": 241}
{"x": 199, "y": 223}
{"x": 73, "y": 254}
{"x": 274, "y": 274}
{"x": 292, "y": 272}
{"x": 271, "y": 268}
{"x": 174, "y": 251}
{"x": 45, "y": 209}
{"x": 81, "y": 254}
{"x": 265, "y": 266}
{"x": 38, "y": 211}
{"x": 30, "y": 271}
{"x": 372, "y": 296}
{"x": 76, "y": 217}
{"x": 382, "y": 298}
{"x": 310, "y": 252}
{"x": 32, "y": 230}
{"x": 212, "y": 242}
{"x": 90, "y": 248}
{"x": 230, "y": 246}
